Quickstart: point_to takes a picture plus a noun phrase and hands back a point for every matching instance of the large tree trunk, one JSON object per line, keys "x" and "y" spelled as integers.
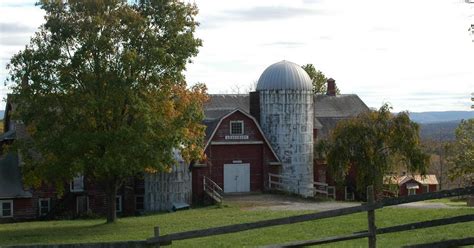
{"x": 111, "y": 195}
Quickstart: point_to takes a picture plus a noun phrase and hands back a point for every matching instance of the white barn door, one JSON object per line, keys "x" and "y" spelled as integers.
{"x": 236, "y": 178}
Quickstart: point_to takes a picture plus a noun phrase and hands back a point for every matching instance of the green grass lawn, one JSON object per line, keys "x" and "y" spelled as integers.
{"x": 455, "y": 202}
{"x": 140, "y": 228}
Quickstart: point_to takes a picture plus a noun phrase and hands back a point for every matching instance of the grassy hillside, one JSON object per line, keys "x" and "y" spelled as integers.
{"x": 140, "y": 228}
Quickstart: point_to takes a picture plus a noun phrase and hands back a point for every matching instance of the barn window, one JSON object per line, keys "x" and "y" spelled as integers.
{"x": 6, "y": 209}
{"x": 77, "y": 184}
{"x": 139, "y": 203}
{"x": 44, "y": 206}
{"x": 118, "y": 203}
{"x": 412, "y": 187}
{"x": 426, "y": 189}
{"x": 236, "y": 127}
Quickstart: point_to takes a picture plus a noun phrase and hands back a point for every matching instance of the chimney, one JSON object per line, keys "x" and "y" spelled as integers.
{"x": 255, "y": 105}
{"x": 331, "y": 87}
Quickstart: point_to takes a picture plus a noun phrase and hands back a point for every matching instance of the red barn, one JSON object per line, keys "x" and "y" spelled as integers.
{"x": 413, "y": 184}
{"x": 238, "y": 154}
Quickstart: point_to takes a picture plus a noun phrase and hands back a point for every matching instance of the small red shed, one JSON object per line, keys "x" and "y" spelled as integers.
{"x": 413, "y": 184}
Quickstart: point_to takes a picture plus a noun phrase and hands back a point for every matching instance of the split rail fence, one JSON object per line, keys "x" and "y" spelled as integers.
{"x": 371, "y": 233}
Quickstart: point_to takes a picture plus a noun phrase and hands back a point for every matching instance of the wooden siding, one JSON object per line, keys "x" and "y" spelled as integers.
{"x": 252, "y": 150}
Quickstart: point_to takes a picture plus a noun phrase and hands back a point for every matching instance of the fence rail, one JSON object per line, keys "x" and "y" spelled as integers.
{"x": 167, "y": 239}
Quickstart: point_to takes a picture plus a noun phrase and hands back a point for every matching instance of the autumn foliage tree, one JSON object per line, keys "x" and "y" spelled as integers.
{"x": 101, "y": 91}
{"x": 375, "y": 142}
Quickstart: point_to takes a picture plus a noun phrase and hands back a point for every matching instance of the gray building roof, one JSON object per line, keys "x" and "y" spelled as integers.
{"x": 221, "y": 104}
{"x": 284, "y": 75}
{"x": 329, "y": 110}
{"x": 10, "y": 178}
{"x": 338, "y": 106}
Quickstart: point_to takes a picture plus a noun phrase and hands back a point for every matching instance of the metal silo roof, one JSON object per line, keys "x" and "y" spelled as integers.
{"x": 284, "y": 75}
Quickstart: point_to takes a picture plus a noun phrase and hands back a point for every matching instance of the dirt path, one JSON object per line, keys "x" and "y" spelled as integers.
{"x": 284, "y": 202}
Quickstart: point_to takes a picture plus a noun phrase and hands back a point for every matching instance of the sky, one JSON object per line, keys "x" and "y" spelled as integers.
{"x": 416, "y": 55}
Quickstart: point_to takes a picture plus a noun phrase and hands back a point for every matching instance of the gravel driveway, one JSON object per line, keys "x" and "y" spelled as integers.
{"x": 284, "y": 202}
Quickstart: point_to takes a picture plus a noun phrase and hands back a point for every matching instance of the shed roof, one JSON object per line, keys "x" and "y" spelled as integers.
{"x": 400, "y": 180}
{"x": 10, "y": 178}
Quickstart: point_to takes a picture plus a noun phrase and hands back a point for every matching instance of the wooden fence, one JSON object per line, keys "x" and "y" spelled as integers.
{"x": 275, "y": 181}
{"x": 371, "y": 233}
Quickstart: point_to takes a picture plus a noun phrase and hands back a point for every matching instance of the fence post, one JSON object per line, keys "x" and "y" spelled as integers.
{"x": 371, "y": 218}
{"x": 157, "y": 234}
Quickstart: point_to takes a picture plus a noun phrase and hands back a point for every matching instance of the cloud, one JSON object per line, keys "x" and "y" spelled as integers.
{"x": 285, "y": 44}
{"x": 14, "y": 40}
{"x": 15, "y": 28}
{"x": 266, "y": 13}
{"x": 378, "y": 29}
{"x": 259, "y": 13}
{"x": 17, "y": 3}
{"x": 311, "y": 1}
{"x": 325, "y": 37}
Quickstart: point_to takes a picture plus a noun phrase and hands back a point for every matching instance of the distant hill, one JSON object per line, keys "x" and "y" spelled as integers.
{"x": 438, "y": 131}
{"x": 436, "y": 117}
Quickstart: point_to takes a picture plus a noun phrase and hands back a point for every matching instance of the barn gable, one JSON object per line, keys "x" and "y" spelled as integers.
{"x": 219, "y": 131}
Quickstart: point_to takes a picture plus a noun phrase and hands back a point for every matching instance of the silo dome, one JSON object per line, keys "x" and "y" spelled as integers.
{"x": 284, "y": 75}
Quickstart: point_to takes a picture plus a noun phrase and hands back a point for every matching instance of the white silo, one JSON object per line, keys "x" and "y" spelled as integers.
{"x": 286, "y": 118}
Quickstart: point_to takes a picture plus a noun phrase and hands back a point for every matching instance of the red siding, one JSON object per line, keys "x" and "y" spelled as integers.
{"x": 421, "y": 188}
{"x": 250, "y": 128}
{"x": 253, "y": 151}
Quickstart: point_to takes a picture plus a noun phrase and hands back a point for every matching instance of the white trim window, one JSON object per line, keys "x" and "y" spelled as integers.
{"x": 6, "y": 208}
{"x": 411, "y": 191}
{"x": 77, "y": 184}
{"x": 236, "y": 127}
{"x": 118, "y": 203}
{"x": 44, "y": 206}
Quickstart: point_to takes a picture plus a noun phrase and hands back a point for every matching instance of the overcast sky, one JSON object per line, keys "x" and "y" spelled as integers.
{"x": 415, "y": 54}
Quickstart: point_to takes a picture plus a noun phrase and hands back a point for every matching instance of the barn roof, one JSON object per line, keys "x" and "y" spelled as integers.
{"x": 10, "y": 178}
{"x": 400, "y": 180}
{"x": 221, "y": 104}
{"x": 338, "y": 106}
{"x": 329, "y": 110}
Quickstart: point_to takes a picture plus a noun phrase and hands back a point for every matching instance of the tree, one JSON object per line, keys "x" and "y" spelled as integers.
{"x": 375, "y": 142}
{"x": 461, "y": 152}
{"x": 101, "y": 91}
{"x": 318, "y": 78}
